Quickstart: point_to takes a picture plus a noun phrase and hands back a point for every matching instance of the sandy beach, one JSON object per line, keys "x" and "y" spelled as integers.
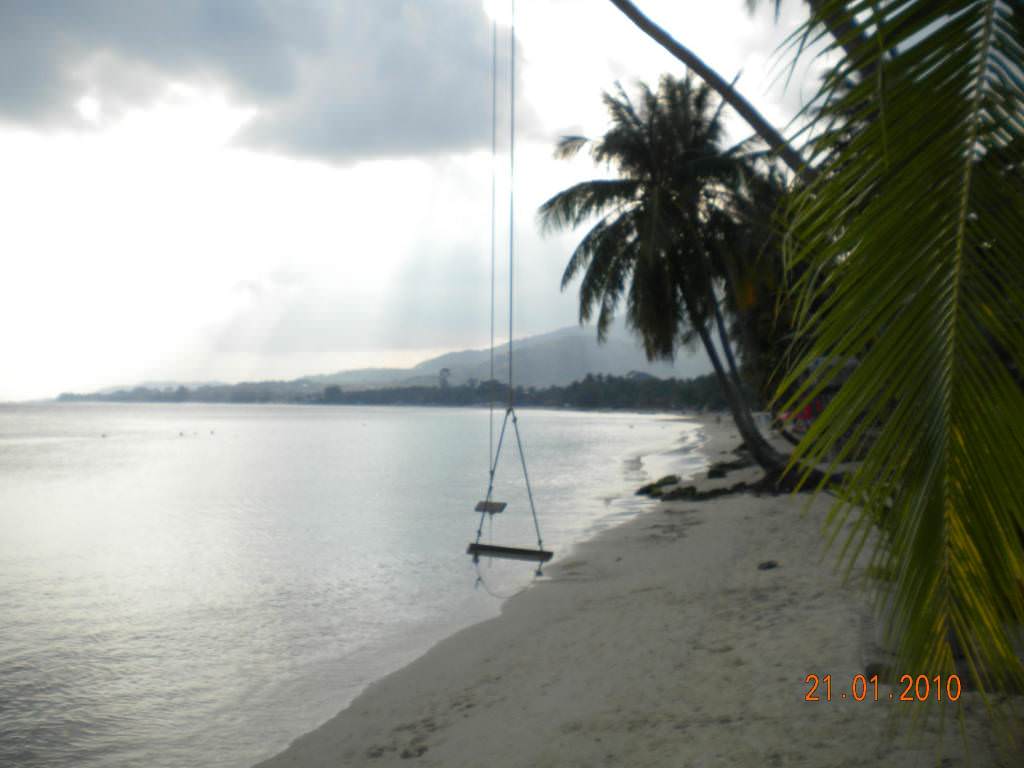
{"x": 681, "y": 638}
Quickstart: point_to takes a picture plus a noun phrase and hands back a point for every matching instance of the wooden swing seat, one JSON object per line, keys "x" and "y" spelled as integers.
{"x": 491, "y": 507}
{"x": 509, "y": 553}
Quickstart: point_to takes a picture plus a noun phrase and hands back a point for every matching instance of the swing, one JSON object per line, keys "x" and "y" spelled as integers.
{"x": 489, "y": 507}
{"x": 509, "y": 553}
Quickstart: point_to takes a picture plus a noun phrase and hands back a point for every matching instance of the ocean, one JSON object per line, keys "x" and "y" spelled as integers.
{"x": 186, "y": 585}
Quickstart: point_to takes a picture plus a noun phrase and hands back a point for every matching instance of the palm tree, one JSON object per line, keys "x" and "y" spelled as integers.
{"x": 662, "y": 228}
{"x": 911, "y": 201}
{"x": 756, "y": 277}
{"x": 921, "y": 205}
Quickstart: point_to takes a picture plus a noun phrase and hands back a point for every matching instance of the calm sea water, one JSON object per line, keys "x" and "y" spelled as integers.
{"x": 186, "y": 585}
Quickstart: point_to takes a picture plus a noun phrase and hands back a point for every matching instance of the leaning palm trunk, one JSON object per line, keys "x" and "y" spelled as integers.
{"x": 730, "y": 358}
{"x": 750, "y": 342}
{"x": 771, "y": 460}
{"x": 767, "y": 457}
{"x": 789, "y": 155}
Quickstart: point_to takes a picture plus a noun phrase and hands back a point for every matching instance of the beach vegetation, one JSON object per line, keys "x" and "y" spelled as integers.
{"x": 919, "y": 202}
{"x": 903, "y": 250}
{"x": 670, "y": 236}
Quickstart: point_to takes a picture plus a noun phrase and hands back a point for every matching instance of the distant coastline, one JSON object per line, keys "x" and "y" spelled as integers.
{"x": 566, "y": 368}
{"x": 634, "y": 391}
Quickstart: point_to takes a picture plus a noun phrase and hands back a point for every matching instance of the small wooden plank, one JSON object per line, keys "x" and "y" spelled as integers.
{"x": 490, "y": 506}
{"x": 509, "y": 553}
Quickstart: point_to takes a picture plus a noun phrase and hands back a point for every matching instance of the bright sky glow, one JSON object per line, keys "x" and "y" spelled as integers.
{"x": 145, "y": 238}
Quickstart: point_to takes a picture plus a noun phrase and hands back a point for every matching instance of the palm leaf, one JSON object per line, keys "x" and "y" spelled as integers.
{"x": 910, "y": 244}
{"x": 573, "y": 206}
{"x": 570, "y": 146}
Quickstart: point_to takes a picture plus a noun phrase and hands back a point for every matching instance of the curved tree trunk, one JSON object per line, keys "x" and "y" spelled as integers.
{"x": 723, "y": 335}
{"x": 750, "y": 340}
{"x": 746, "y": 110}
{"x": 840, "y": 24}
{"x": 771, "y": 460}
{"x": 763, "y": 453}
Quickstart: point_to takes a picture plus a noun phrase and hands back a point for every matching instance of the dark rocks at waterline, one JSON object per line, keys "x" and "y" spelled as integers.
{"x": 686, "y": 492}
{"x": 657, "y": 488}
{"x": 691, "y": 493}
{"x": 743, "y": 462}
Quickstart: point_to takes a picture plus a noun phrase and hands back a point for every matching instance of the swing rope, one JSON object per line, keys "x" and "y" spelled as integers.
{"x": 494, "y": 453}
{"x": 494, "y": 200}
{"x": 511, "y": 185}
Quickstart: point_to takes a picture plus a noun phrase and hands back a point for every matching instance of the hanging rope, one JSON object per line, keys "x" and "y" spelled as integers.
{"x": 494, "y": 452}
{"x": 511, "y": 185}
{"x": 494, "y": 205}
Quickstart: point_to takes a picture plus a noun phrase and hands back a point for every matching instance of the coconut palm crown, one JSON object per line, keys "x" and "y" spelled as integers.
{"x": 662, "y": 228}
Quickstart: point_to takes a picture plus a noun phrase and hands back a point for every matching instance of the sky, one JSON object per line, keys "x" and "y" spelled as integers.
{"x": 240, "y": 189}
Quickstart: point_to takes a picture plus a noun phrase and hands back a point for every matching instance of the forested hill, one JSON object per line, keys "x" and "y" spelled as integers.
{"x": 549, "y": 359}
{"x": 635, "y": 391}
{"x": 555, "y": 359}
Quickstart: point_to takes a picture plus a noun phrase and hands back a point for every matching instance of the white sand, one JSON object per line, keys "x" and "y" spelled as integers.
{"x": 660, "y": 643}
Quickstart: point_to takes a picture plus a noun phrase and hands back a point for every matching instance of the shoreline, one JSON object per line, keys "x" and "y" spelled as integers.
{"x": 691, "y": 413}
{"x": 682, "y": 636}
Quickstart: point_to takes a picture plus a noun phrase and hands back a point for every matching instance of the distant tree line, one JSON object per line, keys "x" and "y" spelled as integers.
{"x": 592, "y": 392}
{"x": 245, "y": 392}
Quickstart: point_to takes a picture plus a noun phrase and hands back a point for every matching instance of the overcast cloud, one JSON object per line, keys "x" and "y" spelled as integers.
{"x": 342, "y": 80}
{"x": 262, "y": 189}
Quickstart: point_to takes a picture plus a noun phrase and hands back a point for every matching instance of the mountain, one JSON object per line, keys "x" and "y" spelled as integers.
{"x": 360, "y": 377}
{"x": 550, "y": 359}
{"x": 557, "y": 358}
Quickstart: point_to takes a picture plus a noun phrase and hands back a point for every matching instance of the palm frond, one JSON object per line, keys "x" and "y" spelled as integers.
{"x": 580, "y": 202}
{"x": 609, "y": 234}
{"x": 570, "y": 146}
{"x": 917, "y": 222}
{"x": 606, "y": 258}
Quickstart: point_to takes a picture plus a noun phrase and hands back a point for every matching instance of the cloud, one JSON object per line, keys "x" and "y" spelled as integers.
{"x": 342, "y": 80}
{"x": 439, "y": 297}
{"x": 287, "y": 315}
{"x": 402, "y": 78}
{"x": 51, "y": 53}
